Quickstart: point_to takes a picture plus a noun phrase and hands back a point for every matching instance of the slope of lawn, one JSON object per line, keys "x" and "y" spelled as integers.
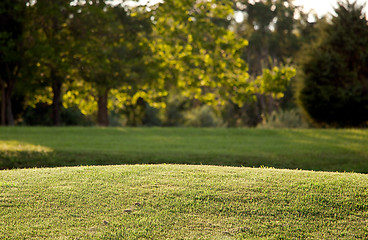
{"x": 181, "y": 202}
{"x": 309, "y": 149}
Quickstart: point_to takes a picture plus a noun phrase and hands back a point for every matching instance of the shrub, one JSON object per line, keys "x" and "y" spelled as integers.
{"x": 203, "y": 116}
{"x": 41, "y": 115}
{"x": 334, "y": 89}
{"x": 175, "y": 108}
{"x": 151, "y": 116}
{"x": 74, "y": 117}
{"x": 284, "y": 119}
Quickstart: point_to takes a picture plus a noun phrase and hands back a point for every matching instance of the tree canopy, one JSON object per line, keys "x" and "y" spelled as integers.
{"x": 121, "y": 62}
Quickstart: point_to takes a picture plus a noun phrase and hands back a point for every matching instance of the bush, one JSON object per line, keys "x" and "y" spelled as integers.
{"x": 74, "y": 117}
{"x": 151, "y": 116}
{"x": 334, "y": 88}
{"x": 203, "y": 116}
{"x": 246, "y": 116}
{"x": 175, "y": 108}
{"x": 285, "y": 119}
{"x": 41, "y": 115}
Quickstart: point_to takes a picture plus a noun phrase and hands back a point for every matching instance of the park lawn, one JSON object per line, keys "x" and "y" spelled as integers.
{"x": 166, "y": 201}
{"x": 308, "y": 149}
{"x": 176, "y": 201}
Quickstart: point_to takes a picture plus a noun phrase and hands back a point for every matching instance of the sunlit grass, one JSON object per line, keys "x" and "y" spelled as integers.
{"x": 17, "y": 146}
{"x": 181, "y": 202}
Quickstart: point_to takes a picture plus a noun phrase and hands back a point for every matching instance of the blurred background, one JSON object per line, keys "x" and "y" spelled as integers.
{"x": 203, "y": 63}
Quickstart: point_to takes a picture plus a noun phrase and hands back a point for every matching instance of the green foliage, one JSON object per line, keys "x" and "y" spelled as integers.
{"x": 40, "y": 116}
{"x": 198, "y": 54}
{"x": 275, "y": 35}
{"x": 105, "y": 57}
{"x": 174, "y": 111}
{"x": 111, "y": 45}
{"x": 73, "y": 117}
{"x": 273, "y": 32}
{"x": 152, "y": 116}
{"x": 274, "y": 82}
{"x": 12, "y": 48}
{"x": 11, "y": 33}
{"x": 203, "y": 116}
{"x": 112, "y": 51}
{"x": 245, "y": 116}
{"x": 284, "y": 119}
{"x": 334, "y": 88}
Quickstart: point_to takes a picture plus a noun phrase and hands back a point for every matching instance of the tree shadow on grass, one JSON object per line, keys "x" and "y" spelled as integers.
{"x": 29, "y": 159}
{"x": 319, "y": 150}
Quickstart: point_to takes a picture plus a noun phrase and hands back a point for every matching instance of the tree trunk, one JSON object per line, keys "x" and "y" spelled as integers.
{"x": 7, "y": 117}
{"x": 56, "y": 99}
{"x": 102, "y": 113}
{"x": 3, "y": 103}
{"x": 262, "y": 105}
{"x": 9, "y": 111}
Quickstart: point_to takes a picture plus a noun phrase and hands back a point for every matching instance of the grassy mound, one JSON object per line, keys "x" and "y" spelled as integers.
{"x": 181, "y": 202}
{"x": 327, "y": 150}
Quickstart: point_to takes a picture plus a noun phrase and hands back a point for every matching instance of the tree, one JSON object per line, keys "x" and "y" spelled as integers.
{"x": 334, "y": 87}
{"x": 274, "y": 34}
{"x": 271, "y": 27}
{"x": 112, "y": 50}
{"x": 51, "y": 46}
{"x": 199, "y": 54}
{"x": 12, "y": 15}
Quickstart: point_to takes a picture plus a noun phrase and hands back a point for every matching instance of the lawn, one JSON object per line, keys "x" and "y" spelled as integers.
{"x": 250, "y": 194}
{"x": 181, "y": 202}
{"x": 308, "y": 149}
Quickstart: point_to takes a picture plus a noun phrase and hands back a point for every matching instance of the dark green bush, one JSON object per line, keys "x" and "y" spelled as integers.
{"x": 334, "y": 90}
{"x": 74, "y": 117}
{"x": 151, "y": 116}
{"x": 41, "y": 115}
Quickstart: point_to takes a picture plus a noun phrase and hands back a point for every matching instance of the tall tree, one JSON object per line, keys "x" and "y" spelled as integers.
{"x": 52, "y": 42}
{"x": 274, "y": 34}
{"x": 12, "y": 17}
{"x": 334, "y": 89}
{"x": 112, "y": 49}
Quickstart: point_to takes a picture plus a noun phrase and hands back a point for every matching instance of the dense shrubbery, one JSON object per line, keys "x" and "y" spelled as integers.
{"x": 40, "y": 115}
{"x": 334, "y": 88}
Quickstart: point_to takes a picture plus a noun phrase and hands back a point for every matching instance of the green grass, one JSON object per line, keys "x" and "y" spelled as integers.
{"x": 181, "y": 202}
{"x": 165, "y": 201}
{"x": 326, "y": 150}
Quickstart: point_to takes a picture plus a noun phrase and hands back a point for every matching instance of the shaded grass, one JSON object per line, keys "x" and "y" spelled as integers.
{"x": 310, "y": 149}
{"x": 181, "y": 202}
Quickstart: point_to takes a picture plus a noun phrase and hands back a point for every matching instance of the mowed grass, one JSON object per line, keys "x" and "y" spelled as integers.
{"x": 181, "y": 202}
{"x": 176, "y": 201}
{"x": 308, "y": 149}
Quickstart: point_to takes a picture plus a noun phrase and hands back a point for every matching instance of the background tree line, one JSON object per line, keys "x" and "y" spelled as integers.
{"x": 196, "y": 63}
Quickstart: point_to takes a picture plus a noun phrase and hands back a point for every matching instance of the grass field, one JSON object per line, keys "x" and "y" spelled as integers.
{"x": 181, "y": 202}
{"x": 326, "y": 150}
